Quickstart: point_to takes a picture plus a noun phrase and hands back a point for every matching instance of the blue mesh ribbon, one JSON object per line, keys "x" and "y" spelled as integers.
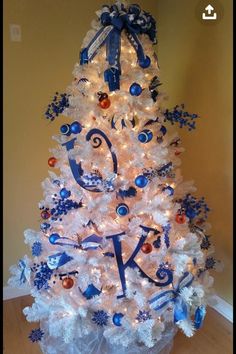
{"x": 114, "y": 19}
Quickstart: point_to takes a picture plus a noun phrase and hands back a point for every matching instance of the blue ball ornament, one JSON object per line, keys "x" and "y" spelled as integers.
{"x": 190, "y": 213}
{"x": 122, "y": 209}
{"x": 64, "y": 193}
{"x": 65, "y": 129}
{"x": 135, "y": 89}
{"x": 53, "y": 238}
{"x": 117, "y": 319}
{"x": 141, "y": 181}
{"x": 145, "y": 63}
{"x": 75, "y": 128}
{"x": 145, "y": 136}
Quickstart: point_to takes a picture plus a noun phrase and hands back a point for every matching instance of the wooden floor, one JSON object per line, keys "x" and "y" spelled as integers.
{"x": 214, "y": 338}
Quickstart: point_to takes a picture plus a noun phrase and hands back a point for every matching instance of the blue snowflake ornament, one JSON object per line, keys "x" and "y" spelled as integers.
{"x": 36, "y": 335}
{"x": 36, "y": 249}
{"x": 210, "y": 263}
{"x": 100, "y": 318}
{"x": 143, "y": 316}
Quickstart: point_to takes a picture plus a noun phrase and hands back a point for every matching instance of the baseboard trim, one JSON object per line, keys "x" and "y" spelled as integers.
{"x": 223, "y": 307}
{"x": 11, "y": 293}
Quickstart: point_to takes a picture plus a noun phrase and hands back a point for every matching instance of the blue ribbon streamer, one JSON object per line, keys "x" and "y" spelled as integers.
{"x": 114, "y": 19}
{"x": 22, "y": 266}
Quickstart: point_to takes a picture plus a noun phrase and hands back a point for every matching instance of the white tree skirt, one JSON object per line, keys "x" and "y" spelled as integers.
{"x": 97, "y": 344}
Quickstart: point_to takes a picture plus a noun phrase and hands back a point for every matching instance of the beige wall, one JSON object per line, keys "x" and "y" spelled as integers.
{"x": 196, "y": 68}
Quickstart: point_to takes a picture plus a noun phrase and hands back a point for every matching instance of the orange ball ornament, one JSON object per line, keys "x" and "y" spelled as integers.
{"x": 180, "y": 218}
{"x": 105, "y": 103}
{"x": 67, "y": 283}
{"x": 146, "y": 248}
{"x": 52, "y": 161}
{"x": 45, "y": 214}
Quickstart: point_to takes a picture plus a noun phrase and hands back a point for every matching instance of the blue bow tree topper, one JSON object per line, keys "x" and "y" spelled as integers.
{"x": 115, "y": 19}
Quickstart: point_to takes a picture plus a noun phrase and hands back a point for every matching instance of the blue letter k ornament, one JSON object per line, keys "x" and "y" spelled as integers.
{"x": 132, "y": 263}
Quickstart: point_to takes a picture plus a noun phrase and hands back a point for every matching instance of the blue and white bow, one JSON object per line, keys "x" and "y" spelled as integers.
{"x": 181, "y": 309}
{"x": 114, "y": 19}
{"x": 160, "y": 300}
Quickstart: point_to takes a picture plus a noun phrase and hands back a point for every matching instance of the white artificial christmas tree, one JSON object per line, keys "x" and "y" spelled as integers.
{"x": 122, "y": 257}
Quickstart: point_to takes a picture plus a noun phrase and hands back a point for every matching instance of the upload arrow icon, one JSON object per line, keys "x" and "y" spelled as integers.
{"x": 210, "y": 14}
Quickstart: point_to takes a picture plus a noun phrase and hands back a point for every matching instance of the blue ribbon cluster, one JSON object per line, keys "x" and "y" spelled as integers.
{"x": 178, "y": 115}
{"x": 114, "y": 19}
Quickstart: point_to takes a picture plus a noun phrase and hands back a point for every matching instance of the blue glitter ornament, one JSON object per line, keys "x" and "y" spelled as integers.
{"x": 145, "y": 136}
{"x": 117, "y": 319}
{"x": 141, "y": 181}
{"x": 53, "y": 238}
{"x": 75, "y": 128}
{"x": 65, "y": 129}
{"x": 122, "y": 209}
{"x": 143, "y": 316}
{"x": 135, "y": 89}
{"x": 91, "y": 291}
{"x": 36, "y": 249}
{"x": 36, "y": 335}
{"x": 145, "y": 63}
{"x": 64, "y": 193}
{"x": 100, "y": 318}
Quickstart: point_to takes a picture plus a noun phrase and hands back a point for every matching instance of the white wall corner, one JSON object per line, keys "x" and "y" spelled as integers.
{"x": 224, "y": 308}
{"x": 11, "y": 293}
